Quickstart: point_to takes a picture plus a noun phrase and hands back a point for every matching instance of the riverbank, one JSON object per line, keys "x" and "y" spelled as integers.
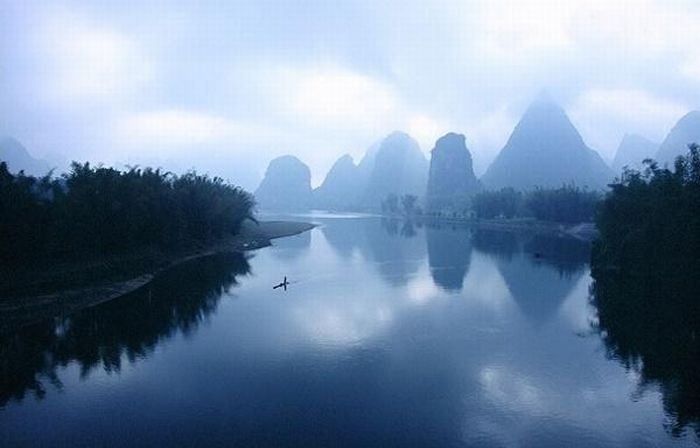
{"x": 585, "y": 231}
{"x": 58, "y": 289}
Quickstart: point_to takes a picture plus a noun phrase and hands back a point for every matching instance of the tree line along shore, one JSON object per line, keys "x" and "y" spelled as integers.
{"x": 96, "y": 233}
{"x": 97, "y": 225}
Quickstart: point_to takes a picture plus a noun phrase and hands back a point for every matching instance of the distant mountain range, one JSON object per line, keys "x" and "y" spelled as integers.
{"x": 19, "y": 159}
{"x": 632, "y": 151}
{"x": 686, "y": 131}
{"x": 286, "y": 185}
{"x": 544, "y": 150}
{"x": 399, "y": 168}
{"x": 342, "y": 187}
{"x": 396, "y": 165}
{"x": 345, "y": 184}
{"x": 634, "y": 148}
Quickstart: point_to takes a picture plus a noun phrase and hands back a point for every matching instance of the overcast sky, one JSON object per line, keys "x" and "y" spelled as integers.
{"x": 224, "y": 86}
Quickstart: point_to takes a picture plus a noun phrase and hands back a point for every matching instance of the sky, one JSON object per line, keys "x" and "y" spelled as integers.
{"x": 224, "y": 86}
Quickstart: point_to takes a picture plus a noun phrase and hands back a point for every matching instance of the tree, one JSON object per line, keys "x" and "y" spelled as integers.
{"x": 408, "y": 201}
{"x": 98, "y": 210}
{"x": 568, "y": 204}
{"x": 390, "y": 204}
{"x": 505, "y": 203}
{"x": 645, "y": 267}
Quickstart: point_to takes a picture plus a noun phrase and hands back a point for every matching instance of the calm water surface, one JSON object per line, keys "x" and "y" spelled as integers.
{"x": 391, "y": 334}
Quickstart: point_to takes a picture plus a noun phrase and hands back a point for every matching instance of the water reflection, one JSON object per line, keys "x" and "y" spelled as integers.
{"x": 125, "y": 329}
{"x": 539, "y": 270}
{"x": 433, "y": 327}
{"x": 649, "y": 319}
{"x": 342, "y": 236}
{"x": 565, "y": 254}
{"x": 538, "y": 289}
{"x": 449, "y": 253}
{"x": 292, "y": 247}
{"x": 498, "y": 244}
{"x": 397, "y": 255}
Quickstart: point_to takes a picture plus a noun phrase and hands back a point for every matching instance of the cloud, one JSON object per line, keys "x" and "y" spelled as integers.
{"x": 182, "y": 128}
{"x": 691, "y": 68}
{"x": 609, "y": 113}
{"x": 487, "y": 134}
{"x": 426, "y": 130}
{"x": 639, "y": 25}
{"x": 330, "y": 97}
{"x": 636, "y": 106}
{"x": 81, "y": 61}
{"x": 518, "y": 28}
{"x": 319, "y": 81}
{"x": 508, "y": 29}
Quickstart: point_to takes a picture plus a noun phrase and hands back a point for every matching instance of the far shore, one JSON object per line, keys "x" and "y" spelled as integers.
{"x": 64, "y": 288}
{"x": 586, "y": 231}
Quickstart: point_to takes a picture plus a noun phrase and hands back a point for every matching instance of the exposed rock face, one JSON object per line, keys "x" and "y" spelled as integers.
{"x": 18, "y": 158}
{"x": 451, "y": 178}
{"x": 286, "y": 185}
{"x": 632, "y": 151}
{"x": 399, "y": 168}
{"x": 546, "y": 150}
{"x": 686, "y": 131}
{"x": 341, "y": 188}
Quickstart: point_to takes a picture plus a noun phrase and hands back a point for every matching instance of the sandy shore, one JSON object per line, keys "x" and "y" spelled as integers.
{"x": 36, "y": 301}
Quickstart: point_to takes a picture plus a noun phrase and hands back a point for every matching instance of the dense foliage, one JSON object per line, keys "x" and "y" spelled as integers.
{"x": 94, "y": 210}
{"x": 505, "y": 203}
{"x": 654, "y": 213}
{"x": 567, "y": 204}
{"x": 646, "y": 285}
{"x": 405, "y": 205}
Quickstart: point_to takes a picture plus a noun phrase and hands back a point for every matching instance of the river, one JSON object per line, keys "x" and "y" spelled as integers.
{"x": 390, "y": 333}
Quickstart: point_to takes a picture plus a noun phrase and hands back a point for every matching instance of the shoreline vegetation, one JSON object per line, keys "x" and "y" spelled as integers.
{"x": 586, "y": 231}
{"x": 51, "y": 290}
{"x": 566, "y": 210}
{"x": 96, "y": 233}
{"x": 645, "y": 286}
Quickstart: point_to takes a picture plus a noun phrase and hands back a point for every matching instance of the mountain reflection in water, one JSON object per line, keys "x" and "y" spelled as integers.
{"x": 393, "y": 333}
{"x": 127, "y": 328}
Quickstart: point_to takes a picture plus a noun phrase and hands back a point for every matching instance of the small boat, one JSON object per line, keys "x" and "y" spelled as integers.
{"x": 283, "y": 284}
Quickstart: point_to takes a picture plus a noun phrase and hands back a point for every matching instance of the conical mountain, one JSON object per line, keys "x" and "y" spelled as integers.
{"x": 632, "y": 151}
{"x": 341, "y": 188}
{"x": 399, "y": 168}
{"x": 546, "y": 150}
{"x": 19, "y": 159}
{"x": 451, "y": 178}
{"x": 685, "y": 132}
{"x": 286, "y": 185}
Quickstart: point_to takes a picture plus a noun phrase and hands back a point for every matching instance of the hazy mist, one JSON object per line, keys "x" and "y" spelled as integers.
{"x": 226, "y": 86}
